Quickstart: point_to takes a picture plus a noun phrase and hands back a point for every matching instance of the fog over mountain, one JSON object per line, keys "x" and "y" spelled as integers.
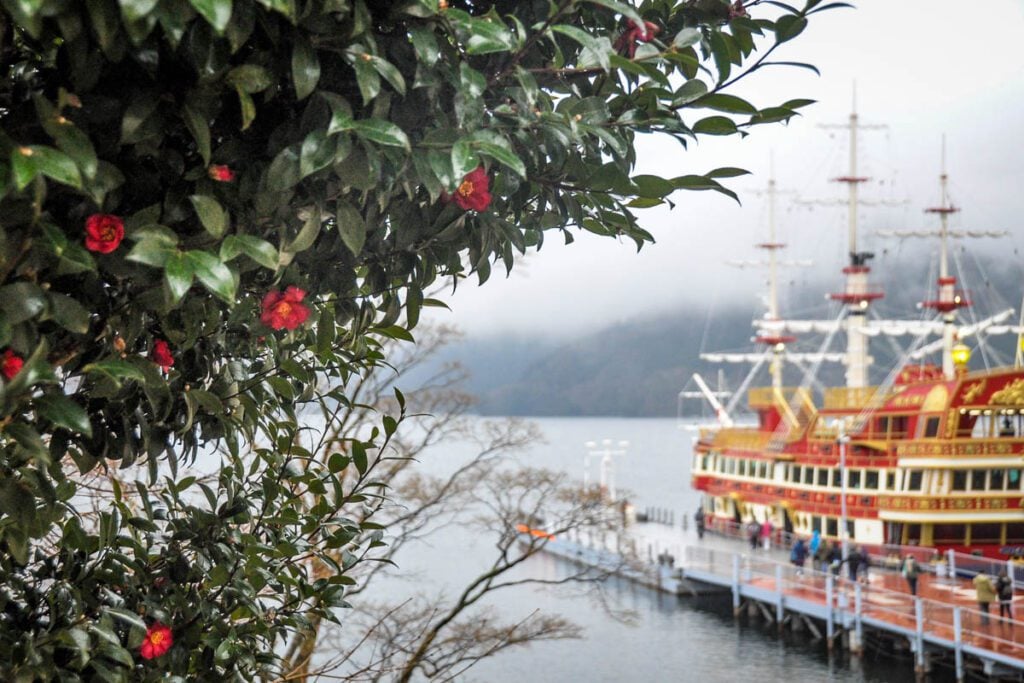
{"x": 637, "y": 367}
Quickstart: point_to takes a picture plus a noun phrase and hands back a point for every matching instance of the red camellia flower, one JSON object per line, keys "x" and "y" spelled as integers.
{"x": 221, "y": 173}
{"x": 284, "y": 310}
{"x": 474, "y": 191}
{"x": 103, "y": 232}
{"x": 161, "y": 355}
{"x": 636, "y": 34}
{"x": 158, "y": 641}
{"x": 10, "y": 364}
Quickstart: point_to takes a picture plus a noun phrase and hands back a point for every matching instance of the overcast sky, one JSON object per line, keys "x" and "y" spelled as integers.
{"x": 923, "y": 68}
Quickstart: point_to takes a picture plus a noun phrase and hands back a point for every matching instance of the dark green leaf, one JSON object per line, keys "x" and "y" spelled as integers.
{"x": 352, "y": 227}
{"x": 789, "y": 27}
{"x": 217, "y": 12}
{"x": 715, "y": 125}
{"x": 726, "y": 103}
{"x": 381, "y": 132}
{"x": 68, "y": 313}
{"x": 216, "y": 276}
{"x": 259, "y": 250}
{"x": 21, "y": 301}
{"x": 177, "y": 274}
{"x": 305, "y": 67}
{"x": 690, "y": 91}
{"x": 213, "y": 217}
{"x": 249, "y": 78}
{"x": 63, "y": 412}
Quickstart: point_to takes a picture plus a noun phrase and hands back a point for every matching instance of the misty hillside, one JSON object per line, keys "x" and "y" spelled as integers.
{"x": 638, "y": 368}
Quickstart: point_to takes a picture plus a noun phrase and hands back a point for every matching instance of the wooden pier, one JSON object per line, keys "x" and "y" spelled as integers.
{"x": 941, "y": 622}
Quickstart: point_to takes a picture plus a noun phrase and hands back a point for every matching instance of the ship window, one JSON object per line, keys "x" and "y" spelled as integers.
{"x": 931, "y": 427}
{"x": 977, "y": 480}
{"x": 853, "y": 477}
{"x": 986, "y": 533}
{"x": 742, "y": 468}
{"x": 948, "y": 533}
{"x": 831, "y": 526}
{"x": 765, "y": 471}
{"x": 899, "y": 427}
{"x": 1012, "y": 479}
{"x": 959, "y": 480}
{"x": 816, "y": 523}
{"x": 912, "y": 534}
{"x": 822, "y": 476}
{"x": 914, "y": 478}
{"x": 849, "y": 528}
{"x": 995, "y": 480}
{"x": 1015, "y": 533}
{"x": 871, "y": 479}
{"x": 982, "y": 427}
{"x": 837, "y": 477}
{"x": 890, "y": 481}
{"x": 808, "y": 475}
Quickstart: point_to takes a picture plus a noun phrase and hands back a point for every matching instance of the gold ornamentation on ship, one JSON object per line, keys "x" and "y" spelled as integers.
{"x": 1010, "y": 395}
{"x": 936, "y": 400}
{"x": 973, "y": 390}
{"x": 952, "y": 421}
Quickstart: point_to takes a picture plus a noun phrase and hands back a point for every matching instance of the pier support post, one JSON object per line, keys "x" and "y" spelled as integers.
{"x": 857, "y": 637}
{"x": 830, "y": 626}
{"x": 958, "y": 644}
{"x": 736, "y": 584}
{"x": 919, "y": 656}
{"x": 779, "y": 594}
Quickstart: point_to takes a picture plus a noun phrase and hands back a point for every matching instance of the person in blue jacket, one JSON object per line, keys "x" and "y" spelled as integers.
{"x": 815, "y": 544}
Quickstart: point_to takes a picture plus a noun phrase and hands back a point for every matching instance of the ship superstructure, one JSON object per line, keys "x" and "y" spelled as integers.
{"x": 934, "y": 456}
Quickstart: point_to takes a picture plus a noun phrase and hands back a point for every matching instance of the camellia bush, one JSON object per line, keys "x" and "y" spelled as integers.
{"x": 214, "y": 211}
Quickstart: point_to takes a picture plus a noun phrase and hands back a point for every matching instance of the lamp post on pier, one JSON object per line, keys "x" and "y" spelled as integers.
{"x": 607, "y": 465}
{"x": 843, "y": 439}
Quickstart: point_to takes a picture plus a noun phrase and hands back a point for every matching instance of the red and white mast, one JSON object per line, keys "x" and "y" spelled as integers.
{"x": 858, "y": 293}
{"x": 777, "y": 342}
{"x": 949, "y": 298}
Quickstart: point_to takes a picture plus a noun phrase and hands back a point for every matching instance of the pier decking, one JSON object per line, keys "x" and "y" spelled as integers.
{"x": 942, "y": 620}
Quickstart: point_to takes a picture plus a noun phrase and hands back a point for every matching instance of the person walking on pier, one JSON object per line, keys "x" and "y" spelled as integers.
{"x": 853, "y": 564}
{"x": 864, "y": 564}
{"x": 985, "y": 593}
{"x": 813, "y": 547}
{"x": 698, "y": 518}
{"x": 1004, "y": 587}
{"x": 753, "y": 533}
{"x": 798, "y": 555}
{"x": 766, "y": 534}
{"x": 911, "y": 570}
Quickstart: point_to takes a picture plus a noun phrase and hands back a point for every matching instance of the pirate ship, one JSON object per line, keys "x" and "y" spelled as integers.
{"x": 933, "y": 456}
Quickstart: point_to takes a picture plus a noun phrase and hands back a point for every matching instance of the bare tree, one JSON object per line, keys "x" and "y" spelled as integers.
{"x": 521, "y": 509}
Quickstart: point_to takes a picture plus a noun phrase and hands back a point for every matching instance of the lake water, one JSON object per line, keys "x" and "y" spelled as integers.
{"x": 668, "y": 639}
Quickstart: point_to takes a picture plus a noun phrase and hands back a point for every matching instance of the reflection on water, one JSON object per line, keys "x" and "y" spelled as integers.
{"x": 652, "y": 636}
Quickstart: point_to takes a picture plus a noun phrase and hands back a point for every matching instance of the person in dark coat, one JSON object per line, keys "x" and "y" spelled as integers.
{"x": 865, "y": 564}
{"x": 910, "y": 572}
{"x": 1004, "y": 589}
{"x": 853, "y": 563}
{"x": 698, "y": 518}
{"x": 754, "y": 532}
{"x": 798, "y": 555}
{"x": 834, "y": 559}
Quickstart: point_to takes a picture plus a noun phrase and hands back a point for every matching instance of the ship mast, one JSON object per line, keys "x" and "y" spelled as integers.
{"x": 777, "y": 342}
{"x": 857, "y": 295}
{"x": 949, "y": 299}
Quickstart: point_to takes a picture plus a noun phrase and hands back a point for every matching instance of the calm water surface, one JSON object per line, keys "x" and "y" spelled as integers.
{"x": 668, "y": 639}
